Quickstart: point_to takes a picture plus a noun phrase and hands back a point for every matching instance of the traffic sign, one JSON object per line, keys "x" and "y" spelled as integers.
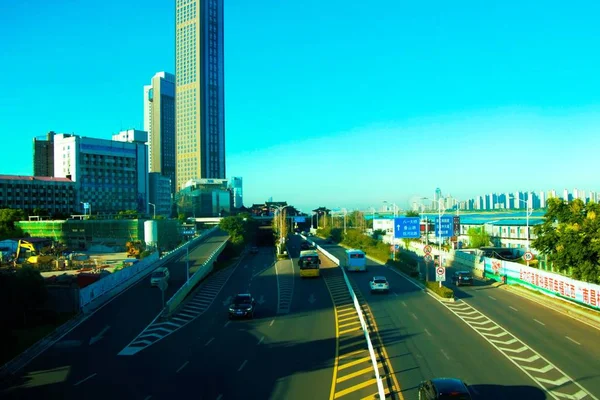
{"x": 528, "y": 256}
{"x": 428, "y": 258}
{"x": 447, "y": 226}
{"x": 427, "y": 249}
{"x": 440, "y": 274}
{"x": 407, "y": 228}
{"x": 456, "y": 225}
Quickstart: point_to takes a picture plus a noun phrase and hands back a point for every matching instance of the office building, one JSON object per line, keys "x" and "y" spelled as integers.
{"x": 200, "y": 100}
{"x": 235, "y": 185}
{"x": 204, "y": 198}
{"x": 110, "y": 175}
{"x": 43, "y": 155}
{"x": 27, "y": 193}
{"x": 159, "y": 122}
{"x": 159, "y": 194}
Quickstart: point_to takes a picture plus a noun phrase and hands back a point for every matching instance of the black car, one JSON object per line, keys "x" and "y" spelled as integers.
{"x": 242, "y": 306}
{"x": 462, "y": 278}
{"x": 444, "y": 388}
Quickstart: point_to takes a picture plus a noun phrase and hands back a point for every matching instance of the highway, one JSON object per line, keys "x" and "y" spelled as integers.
{"x": 434, "y": 342}
{"x": 91, "y": 344}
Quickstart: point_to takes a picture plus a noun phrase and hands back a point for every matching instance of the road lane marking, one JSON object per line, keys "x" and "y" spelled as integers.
{"x": 209, "y": 341}
{"x": 512, "y": 308}
{"x": 242, "y": 366}
{"x": 492, "y": 297}
{"x": 445, "y": 355}
{"x": 539, "y": 322}
{"x": 148, "y": 398}
{"x": 573, "y": 340}
{"x": 260, "y": 341}
{"x": 272, "y": 322}
{"x": 404, "y": 304}
{"x": 226, "y": 324}
{"x": 219, "y": 397}
{"x": 413, "y": 315}
{"x": 427, "y": 332}
{"x": 85, "y": 379}
{"x": 396, "y": 294}
{"x": 182, "y": 367}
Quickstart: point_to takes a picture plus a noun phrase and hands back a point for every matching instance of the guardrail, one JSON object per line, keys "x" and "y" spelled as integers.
{"x": 363, "y": 324}
{"x": 185, "y": 289}
{"x": 96, "y": 294}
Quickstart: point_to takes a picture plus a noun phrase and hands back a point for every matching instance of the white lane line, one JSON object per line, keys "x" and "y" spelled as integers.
{"x": 260, "y": 341}
{"x": 573, "y": 340}
{"x": 492, "y": 297}
{"x": 427, "y": 332}
{"x": 183, "y": 366}
{"x": 242, "y": 366}
{"x": 209, "y": 341}
{"x": 148, "y": 398}
{"x": 272, "y": 322}
{"x": 404, "y": 304}
{"x": 227, "y": 324}
{"x": 539, "y": 322}
{"x": 85, "y": 379}
{"x": 445, "y": 355}
{"x": 413, "y": 315}
{"x": 219, "y": 397}
{"x": 512, "y": 308}
{"x": 396, "y": 294}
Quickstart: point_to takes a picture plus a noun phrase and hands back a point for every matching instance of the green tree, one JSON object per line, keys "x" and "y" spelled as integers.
{"x": 478, "y": 237}
{"x": 570, "y": 237}
{"x": 412, "y": 213}
{"x": 241, "y": 228}
{"x": 8, "y": 217}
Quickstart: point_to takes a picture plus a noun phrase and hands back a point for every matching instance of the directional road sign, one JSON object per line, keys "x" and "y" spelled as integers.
{"x": 447, "y": 226}
{"x": 440, "y": 274}
{"x": 407, "y": 228}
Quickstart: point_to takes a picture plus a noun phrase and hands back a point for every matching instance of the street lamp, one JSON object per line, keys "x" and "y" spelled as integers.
{"x": 440, "y": 214}
{"x": 345, "y": 213}
{"x": 426, "y": 219}
{"x": 154, "y": 208}
{"x": 527, "y": 214}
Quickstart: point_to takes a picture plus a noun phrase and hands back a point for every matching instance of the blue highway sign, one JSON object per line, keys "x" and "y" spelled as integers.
{"x": 407, "y": 228}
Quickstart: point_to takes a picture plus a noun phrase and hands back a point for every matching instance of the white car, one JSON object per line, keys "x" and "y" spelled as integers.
{"x": 160, "y": 274}
{"x": 379, "y": 284}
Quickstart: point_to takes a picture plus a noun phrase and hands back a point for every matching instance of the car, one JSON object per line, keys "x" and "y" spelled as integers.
{"x": 254, "y": 250}
{"x": 462, "y": 278}
{"x": 444, "y": 388}
{"x": 242, "y": 306}
{"x": 379, "y": 284}
{"x": 329, "y": 240}
{"x": 304, "y": 246}
{"x": 159, "y": 274}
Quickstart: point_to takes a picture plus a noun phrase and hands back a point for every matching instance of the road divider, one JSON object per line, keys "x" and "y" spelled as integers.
{"x": 187, "y": 287}
{"x": 363, "y": 324}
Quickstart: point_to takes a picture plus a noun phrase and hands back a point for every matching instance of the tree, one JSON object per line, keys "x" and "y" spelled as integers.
{"x": 570, "y": 237}
{"x": 478, "y": 237}
{"x": 412, "y": 213}
{"x": 8, "y": 217}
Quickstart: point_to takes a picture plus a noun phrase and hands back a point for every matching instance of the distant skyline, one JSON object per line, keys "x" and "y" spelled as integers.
{"x": 472, "y": 98}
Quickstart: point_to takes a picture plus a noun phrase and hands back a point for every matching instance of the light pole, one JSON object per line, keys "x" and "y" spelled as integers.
{"x": 440, "y": 213}
{"x": 345, "y": 213}
{"x": 426, "y": 220}
{"x": 154, "y": 208}
{"x": 528, "y": 212}
{"x": 187, "y": 268}
{"x": 373, "y": 218}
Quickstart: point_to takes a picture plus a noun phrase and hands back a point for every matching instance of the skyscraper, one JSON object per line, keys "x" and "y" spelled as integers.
{"x": 43, "y": 155}
{"x": 200, "y": 98}
{"x": 159, "y": 122}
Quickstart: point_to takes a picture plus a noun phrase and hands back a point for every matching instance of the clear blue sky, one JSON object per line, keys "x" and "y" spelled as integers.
{"x": 332, "y": 103}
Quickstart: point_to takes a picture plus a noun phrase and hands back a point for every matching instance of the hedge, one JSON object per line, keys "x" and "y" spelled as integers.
{"x": 443, "y": 291}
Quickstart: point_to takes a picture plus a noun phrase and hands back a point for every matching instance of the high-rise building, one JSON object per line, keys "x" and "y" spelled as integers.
{"x": 159, "y": 122}
{"x": 235, "y": 185}
{"x": 200, "y": 96}
{"x": 542, "y": 199}
{"x": 566, "y": 195}
{"x": 43, "y": 155}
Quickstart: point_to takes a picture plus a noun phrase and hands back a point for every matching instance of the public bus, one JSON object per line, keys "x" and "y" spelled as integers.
{"x": 356, "y": 260}
{"x": 309, "y": 263}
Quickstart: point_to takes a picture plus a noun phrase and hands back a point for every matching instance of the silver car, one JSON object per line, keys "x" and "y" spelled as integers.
{"x": 160, "y": 274}
{"x": 379, "y": 284}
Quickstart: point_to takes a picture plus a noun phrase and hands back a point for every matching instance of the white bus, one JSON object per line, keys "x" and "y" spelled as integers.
{"x": 356, "y": 260}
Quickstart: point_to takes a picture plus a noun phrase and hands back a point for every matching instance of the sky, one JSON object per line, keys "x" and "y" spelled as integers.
{"x": 332, "y": 103}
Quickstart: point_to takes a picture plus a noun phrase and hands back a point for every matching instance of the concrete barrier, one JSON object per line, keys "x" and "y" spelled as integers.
{"x": 187, "y": 287}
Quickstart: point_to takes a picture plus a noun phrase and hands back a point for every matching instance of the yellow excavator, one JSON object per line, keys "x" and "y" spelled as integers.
{"x": 27, "y": 254}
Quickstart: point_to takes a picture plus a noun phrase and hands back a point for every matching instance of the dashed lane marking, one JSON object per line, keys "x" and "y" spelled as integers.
{"x": 187, "y": 312}
{"x": 545, "y": 374}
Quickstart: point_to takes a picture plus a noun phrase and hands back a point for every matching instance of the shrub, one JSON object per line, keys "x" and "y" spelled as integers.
{"x": 443, "y": 291}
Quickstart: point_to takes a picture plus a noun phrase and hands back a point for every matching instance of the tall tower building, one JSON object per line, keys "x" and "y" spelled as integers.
{"x": 43, "y": 155}
{"x": 159, "y": 122}
{"x": 200, "y": 95}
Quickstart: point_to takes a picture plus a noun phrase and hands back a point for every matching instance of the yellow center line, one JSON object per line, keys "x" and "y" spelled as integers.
{"x": 355, "y": 388}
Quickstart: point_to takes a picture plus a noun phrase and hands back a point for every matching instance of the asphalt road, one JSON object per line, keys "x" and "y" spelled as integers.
{"x": 288, "y": 355}
{"x": 94, "y": 342}
{"x": 424, "y": 340}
